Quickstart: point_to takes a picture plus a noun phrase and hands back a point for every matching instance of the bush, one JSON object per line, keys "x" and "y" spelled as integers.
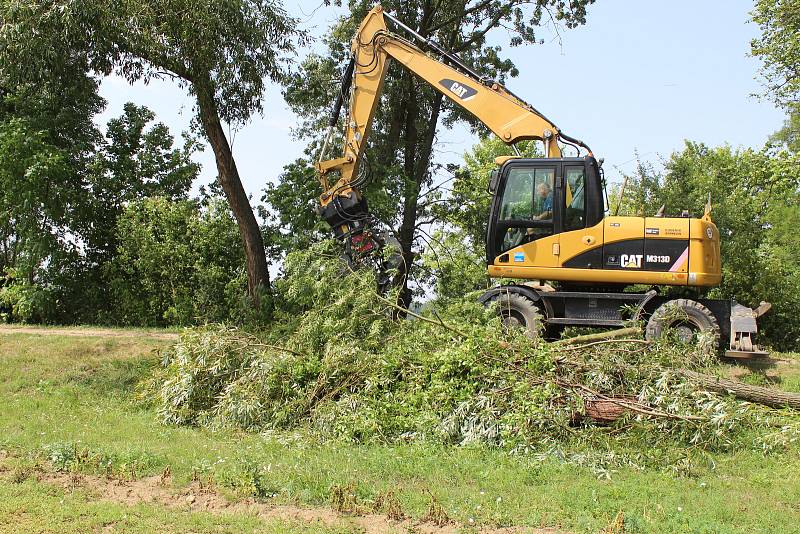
{"x": 177, "y": 264}
{"x": 26, "y": 303}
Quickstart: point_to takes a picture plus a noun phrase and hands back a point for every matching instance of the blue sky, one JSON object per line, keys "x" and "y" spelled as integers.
{"x": 640, "y": 76}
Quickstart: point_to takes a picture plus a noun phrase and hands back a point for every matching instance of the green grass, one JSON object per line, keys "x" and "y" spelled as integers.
{"x": 781, "y": 370}
{"x": 88, "y": 328}
{"x": 67, "y": 402}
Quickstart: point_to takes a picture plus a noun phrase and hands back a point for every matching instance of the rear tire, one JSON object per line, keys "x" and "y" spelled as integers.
{"x": 687, "y": 317}
{"x": 518, "y": 311}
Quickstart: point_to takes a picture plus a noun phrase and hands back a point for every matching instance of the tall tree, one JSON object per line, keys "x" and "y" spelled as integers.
{"x": 401, "y": 157}
{"x": 778, "y": 47}
{"x": 47, "y": 138}
{"x": 220, "y": 50}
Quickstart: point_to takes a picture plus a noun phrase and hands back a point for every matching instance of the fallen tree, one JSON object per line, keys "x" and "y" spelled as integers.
{"x": 605, "y": 409}
{"x": 747, "y": 392}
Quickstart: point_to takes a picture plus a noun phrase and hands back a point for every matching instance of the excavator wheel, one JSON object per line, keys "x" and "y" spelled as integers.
{"x": 518, "y": 311}
{"x": 687, "y": 317}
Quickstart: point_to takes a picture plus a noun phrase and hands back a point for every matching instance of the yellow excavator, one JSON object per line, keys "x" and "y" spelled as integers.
{"x": 548, "y": 224}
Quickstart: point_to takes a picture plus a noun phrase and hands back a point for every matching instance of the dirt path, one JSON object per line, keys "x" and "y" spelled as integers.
{"x": 197, "y": 497}
{"x": 85, "y": 332}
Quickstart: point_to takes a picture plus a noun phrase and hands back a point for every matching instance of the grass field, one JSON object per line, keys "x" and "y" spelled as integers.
{"x": 72, "y": 435}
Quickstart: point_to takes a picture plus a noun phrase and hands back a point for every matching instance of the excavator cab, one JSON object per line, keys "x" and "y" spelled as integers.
{"x": 538, "y": 198}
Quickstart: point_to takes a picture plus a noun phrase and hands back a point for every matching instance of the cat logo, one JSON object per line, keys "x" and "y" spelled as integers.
{"x": 464, "y": 92}
{"x": 631, "y": 261}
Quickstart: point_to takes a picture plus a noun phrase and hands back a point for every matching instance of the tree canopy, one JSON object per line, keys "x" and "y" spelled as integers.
{"x": 778, "y": 47}
{"x": 221, "y": 51}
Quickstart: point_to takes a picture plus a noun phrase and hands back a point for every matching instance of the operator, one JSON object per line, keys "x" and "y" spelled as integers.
{"x": 546, "y": 196}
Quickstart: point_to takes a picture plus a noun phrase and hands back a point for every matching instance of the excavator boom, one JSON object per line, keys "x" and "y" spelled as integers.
{"x": 373, "y": 46}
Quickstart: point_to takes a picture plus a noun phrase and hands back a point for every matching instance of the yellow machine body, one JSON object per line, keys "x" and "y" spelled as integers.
{"x": 676, "y": 251}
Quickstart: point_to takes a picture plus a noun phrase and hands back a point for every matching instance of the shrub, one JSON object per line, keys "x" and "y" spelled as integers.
{"x": 177, "y": 264}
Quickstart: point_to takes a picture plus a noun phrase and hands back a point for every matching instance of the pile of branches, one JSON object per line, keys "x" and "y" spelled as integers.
{"x": 335, "y": 363}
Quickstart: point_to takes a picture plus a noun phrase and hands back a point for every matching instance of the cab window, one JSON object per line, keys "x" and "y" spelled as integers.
{"x": 574, "y": 198}
{"x": 528, "y": 195}
{"x": 526, "y": 210}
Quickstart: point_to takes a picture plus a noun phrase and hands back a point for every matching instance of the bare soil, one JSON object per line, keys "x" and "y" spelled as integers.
{"x": 198, "y": 497}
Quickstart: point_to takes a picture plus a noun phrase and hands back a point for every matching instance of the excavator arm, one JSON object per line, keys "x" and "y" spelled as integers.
{"x": 373, "y": 46}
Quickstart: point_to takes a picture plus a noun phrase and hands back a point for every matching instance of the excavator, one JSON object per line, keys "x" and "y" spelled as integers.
{"x": 565, "y": 261}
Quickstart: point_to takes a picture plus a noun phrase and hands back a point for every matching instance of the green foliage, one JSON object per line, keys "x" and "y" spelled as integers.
{"x": 33, "y": 205}
{"x": 136, "y": 160}
{"x": 227, "y": 47}
{"x": 778, "y": 47}
{"x": 291, "y": 221}
{"x": 176, "y": 264}
{"x": 453, "y": 267}
{"x": 24, "y": 302}
{"x": 72, "y": 457}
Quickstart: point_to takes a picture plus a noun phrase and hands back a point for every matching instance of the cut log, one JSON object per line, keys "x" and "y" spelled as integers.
{"x": 605, "y": 411}
{"x": 740, "y": 390}
{"x": 611, "y": 334}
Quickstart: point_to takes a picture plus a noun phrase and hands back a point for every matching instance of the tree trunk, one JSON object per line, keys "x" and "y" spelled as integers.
{"x": 406, "y": 232}
{"x": 416, "y": 168}
{"x": 257, "y": 266}
{"x": 587, "y": 338}
{"x": 740, "y": 390}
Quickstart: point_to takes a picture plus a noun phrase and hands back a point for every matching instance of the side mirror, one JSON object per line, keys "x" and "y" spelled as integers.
{"x": 494, "y": 178}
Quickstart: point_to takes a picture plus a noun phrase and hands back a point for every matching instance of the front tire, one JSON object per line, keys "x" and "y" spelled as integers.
{"x": 518, "y": 311}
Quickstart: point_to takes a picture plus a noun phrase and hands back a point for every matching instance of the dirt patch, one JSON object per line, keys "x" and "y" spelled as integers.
{"x": 200, "y": 498}
{"x": 85, "y": 332}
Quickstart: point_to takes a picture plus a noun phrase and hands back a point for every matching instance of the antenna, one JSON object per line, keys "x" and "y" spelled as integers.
{"x": 707, "y": 213}
{"x": 621, "y": 194}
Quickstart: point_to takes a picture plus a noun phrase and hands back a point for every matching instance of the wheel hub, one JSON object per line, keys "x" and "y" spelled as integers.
{"x": 686, "y": 332}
